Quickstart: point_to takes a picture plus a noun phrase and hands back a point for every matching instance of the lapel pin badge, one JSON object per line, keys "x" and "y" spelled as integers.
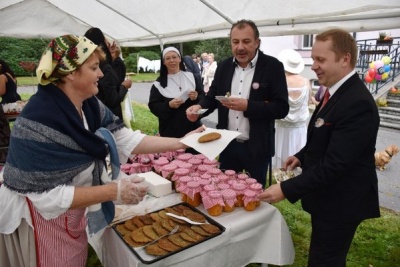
{"x": 319, "y": 122}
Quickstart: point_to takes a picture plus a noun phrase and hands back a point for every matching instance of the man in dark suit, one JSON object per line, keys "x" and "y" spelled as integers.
{"x": 338, "y": 185}
{"x": 258, "y": 96}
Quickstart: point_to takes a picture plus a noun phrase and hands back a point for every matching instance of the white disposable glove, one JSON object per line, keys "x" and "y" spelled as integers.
{"x": 131, "y": 190}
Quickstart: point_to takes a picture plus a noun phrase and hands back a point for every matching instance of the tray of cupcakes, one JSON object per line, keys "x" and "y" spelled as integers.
{"x": 160, "y": 234}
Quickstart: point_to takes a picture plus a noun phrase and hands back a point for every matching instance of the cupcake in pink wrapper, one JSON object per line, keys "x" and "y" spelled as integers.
{"x": 239, "y": 189}
{"x": 231, "y": 174}
{"x": 192, "y": 192}
{"x": 159, "y": 163}
{"x": 185, "y": 156}
{"x": 249, "y": 200}
{"x": 213, "y": 162}
{"x": 229, "y": 197}
{"x": 168, "y": 170}
{"x": 214, "y": 171}
{"x": 126, "y": 168}
{"x": 222, "y": 186}
{"x": 214, "y": 203}
{"x": 135, "y": 168}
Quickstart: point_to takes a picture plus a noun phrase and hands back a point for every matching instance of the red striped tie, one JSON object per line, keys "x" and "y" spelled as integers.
{"x": 326, "y": 98}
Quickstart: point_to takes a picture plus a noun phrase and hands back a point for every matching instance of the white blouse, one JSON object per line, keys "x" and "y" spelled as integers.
{"x": 51, "y": 204}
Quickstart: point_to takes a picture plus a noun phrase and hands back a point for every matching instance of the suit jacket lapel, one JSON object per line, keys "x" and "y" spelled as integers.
{"x": 332, "y": 102}
{"x": 258, "y": 73}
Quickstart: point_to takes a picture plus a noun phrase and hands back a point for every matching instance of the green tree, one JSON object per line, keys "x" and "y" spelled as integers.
{"x": 14, "y": 51}
{"x": 220, "y": 47}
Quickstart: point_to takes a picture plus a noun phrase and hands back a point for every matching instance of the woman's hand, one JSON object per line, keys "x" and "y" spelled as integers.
{"x": 127, "y": 83}
{"x": 192, "y": 113}
{"x": 175, "y": 103}
{"x": 193, "y": 95}
{"x": 131, "y": 190}
{"x": 198, "y": 130}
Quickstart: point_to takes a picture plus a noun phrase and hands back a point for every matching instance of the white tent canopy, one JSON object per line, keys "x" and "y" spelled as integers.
{"x": 159, "y": 22}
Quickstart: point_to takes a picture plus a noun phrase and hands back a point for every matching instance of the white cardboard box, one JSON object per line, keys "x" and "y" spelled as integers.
{"x": 158, "y": 185}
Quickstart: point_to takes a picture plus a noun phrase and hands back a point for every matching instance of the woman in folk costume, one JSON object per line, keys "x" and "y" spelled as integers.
{"x": 172, "y": 93}
{"x": 55, "y": 180}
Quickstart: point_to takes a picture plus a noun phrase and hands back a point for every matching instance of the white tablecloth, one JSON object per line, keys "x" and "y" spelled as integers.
{"x": 258, "y": 236}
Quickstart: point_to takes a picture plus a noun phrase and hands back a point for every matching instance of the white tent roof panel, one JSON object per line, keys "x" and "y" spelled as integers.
{"x": 158, "y": 22}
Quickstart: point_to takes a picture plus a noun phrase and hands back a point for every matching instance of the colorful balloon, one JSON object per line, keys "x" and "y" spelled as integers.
{"x": 378, "y": 64}
{"x": 386, "y": 60}
{"x": 372, "y": 65}
{"x": 372, "y": 72}
{"x": 368, "y": 78}
{"x": 385, "y": 76}
{"x": 387, "y": 68}
{"x": 378, "y": 77}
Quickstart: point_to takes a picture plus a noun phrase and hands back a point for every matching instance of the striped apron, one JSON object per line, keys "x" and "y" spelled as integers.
{"x": 61, "y": 241}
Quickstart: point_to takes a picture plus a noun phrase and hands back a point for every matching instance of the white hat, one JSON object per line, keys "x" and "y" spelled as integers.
{"x": 292, "y": 61}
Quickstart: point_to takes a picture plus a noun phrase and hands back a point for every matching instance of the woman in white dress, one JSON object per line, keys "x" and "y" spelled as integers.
{"x": 291, "y": 132}
{"x": 210, "y": 72}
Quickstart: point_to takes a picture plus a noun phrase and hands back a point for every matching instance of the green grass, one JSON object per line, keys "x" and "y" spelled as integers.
{"x": 376, "y": 243}
{"x": 139, "y": 77}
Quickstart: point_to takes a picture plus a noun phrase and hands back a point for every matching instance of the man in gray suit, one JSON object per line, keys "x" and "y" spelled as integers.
{"x": 338, "y": 185}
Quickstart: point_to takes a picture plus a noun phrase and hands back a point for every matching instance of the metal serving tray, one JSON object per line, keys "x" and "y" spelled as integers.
{"x": 148, "y": 259}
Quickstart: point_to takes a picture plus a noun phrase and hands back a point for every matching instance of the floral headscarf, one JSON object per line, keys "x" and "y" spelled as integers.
{"x": 63, "y": 55}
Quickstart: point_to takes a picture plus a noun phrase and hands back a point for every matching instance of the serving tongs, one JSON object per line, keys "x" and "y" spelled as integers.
{"x": 184, "y": 219}
{"x": 173, "y": 231}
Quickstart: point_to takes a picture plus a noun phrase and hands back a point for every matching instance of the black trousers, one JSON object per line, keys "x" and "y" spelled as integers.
{"x": 330, "y": 242}
{"x": 236, "y": 156}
